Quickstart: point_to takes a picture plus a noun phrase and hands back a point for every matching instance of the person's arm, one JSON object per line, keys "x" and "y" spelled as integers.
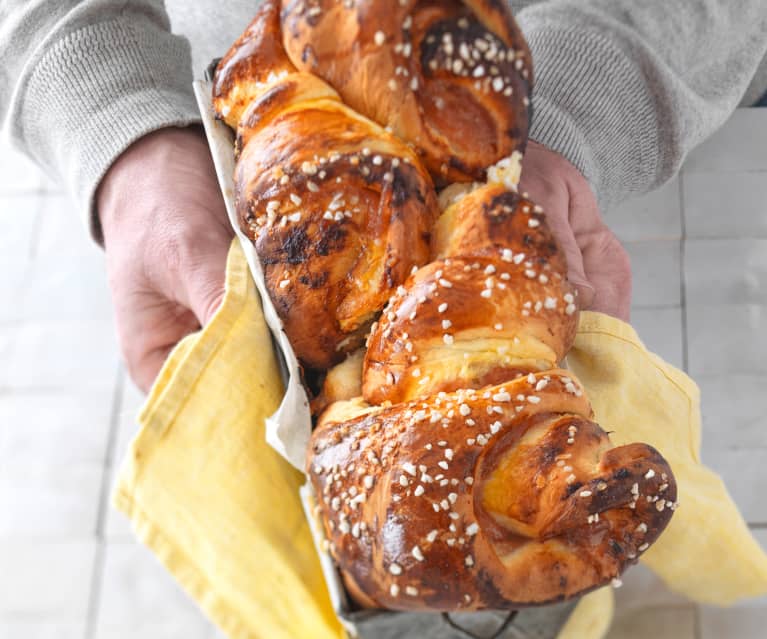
{"x": 625, "y": 88}
{"x": 82, "y": 80}
{"x": 99, "y": 92}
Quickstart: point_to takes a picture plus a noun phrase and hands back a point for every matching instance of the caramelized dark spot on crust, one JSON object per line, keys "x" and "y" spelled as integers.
{"x": 314, "y": 281}
{"x": 492, "y": 597}
{"x": 296, "y": 248}
{"x": 575, "y": 486}
{"x": 331, "y": 240}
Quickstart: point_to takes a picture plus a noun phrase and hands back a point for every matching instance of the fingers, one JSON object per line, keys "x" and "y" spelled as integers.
{"x": 149, "y": 326}
{"x": 609, "y": 270}
{"x": 203, "y": 276}
{"x": 606, "y": 264}
{"x": 597, "y": 263}
{"x": 576, "y": 269}
{"x": 543, "y": 180}
{"x": 153, "y": 322}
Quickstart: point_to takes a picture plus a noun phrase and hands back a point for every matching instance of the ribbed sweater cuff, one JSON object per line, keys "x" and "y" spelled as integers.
{"x": 98, "y": 90}
{"x": 592, "y": 103}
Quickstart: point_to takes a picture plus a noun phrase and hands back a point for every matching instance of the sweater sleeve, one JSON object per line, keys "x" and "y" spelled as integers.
{"x": 625, "y": 89}
{"x": 81, "y": 81}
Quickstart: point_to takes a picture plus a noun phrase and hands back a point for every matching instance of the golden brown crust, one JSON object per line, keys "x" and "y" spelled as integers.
{"x": 341, "y": 232}
{"x": 339, "y": 210}
{"x": 495, "y": 304}
{"x": 511, "y": 491}
{"x": 248, "y": 65}
{"x": 451, "y": 77}
{"x": 490, "y": 219}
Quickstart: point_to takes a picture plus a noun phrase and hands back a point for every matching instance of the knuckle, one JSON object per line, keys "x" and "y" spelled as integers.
{"x": 609, "y": 248}
{"x": 620, "y": 253}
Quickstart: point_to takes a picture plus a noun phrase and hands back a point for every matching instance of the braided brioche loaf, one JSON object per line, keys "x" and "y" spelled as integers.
{"x": 456, "y": 466}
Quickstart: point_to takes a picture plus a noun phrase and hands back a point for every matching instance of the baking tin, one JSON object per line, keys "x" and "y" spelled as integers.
{"x": 288, "y": 432}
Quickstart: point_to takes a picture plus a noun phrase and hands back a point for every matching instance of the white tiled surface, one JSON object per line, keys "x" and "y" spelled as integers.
{"x": 656, "y": 273}
{"x": 746, "y": 621}
{"x": 20, "y": 175}
{"x": 727, "y": 271}
{"x": 656, "y": 216}
{"x": 41, "y": 630}
{"x": 737, "y": 147}
{"x": 57, "y": 500}
{"x": 727, "y": 338}
{"x": 69, "y": 568}
{"x": 46, "y": 580}
{"x": 728, "y": 205}
{"x": 60, "y": 427}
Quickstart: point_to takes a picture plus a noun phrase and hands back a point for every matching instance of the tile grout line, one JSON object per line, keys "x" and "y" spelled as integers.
{"x": 32, "y": 249}
{"x": 682, "y": 277}
{"x": 98, "y": 563}
{"x": 114, "y": 424}
{"x": 696, "y": 629}
{"x": 655, "y": 307}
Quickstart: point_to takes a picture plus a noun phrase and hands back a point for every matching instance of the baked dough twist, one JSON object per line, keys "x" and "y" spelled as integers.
{"x": 451, "y": 77}
{"x": 494, "y": 303}
{"x": 339, "y": 209}
{"x": 495, "y": 498}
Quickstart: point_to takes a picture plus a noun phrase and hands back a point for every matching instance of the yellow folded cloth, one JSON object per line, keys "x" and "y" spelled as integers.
{"x": 221, "y": 509}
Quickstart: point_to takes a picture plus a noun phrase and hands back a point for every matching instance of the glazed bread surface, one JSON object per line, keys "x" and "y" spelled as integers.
{"x": 339, "y": 209}
{"x": 450, "y": 77}
{"x": 494, "y": 303}
{"x": 456, "y": 465}
{"x": 495, "y": 498}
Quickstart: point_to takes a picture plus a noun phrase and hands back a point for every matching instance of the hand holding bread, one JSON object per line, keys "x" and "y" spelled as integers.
{"x": 166, "y": 237}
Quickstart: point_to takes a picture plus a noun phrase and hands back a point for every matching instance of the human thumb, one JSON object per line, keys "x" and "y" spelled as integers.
{"x": 204, "y": 277}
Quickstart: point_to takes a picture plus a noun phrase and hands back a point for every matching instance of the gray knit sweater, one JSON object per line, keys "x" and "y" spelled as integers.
{"x": 625, "y": 88}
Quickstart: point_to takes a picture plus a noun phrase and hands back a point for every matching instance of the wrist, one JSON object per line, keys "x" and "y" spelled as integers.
{"x": 557, "y": 163}
{"x": 137, "y": 180}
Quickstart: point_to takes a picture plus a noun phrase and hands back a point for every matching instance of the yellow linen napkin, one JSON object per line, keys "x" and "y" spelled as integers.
{"x": 216, "y": 504}
{"x": 221, "y": 509}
